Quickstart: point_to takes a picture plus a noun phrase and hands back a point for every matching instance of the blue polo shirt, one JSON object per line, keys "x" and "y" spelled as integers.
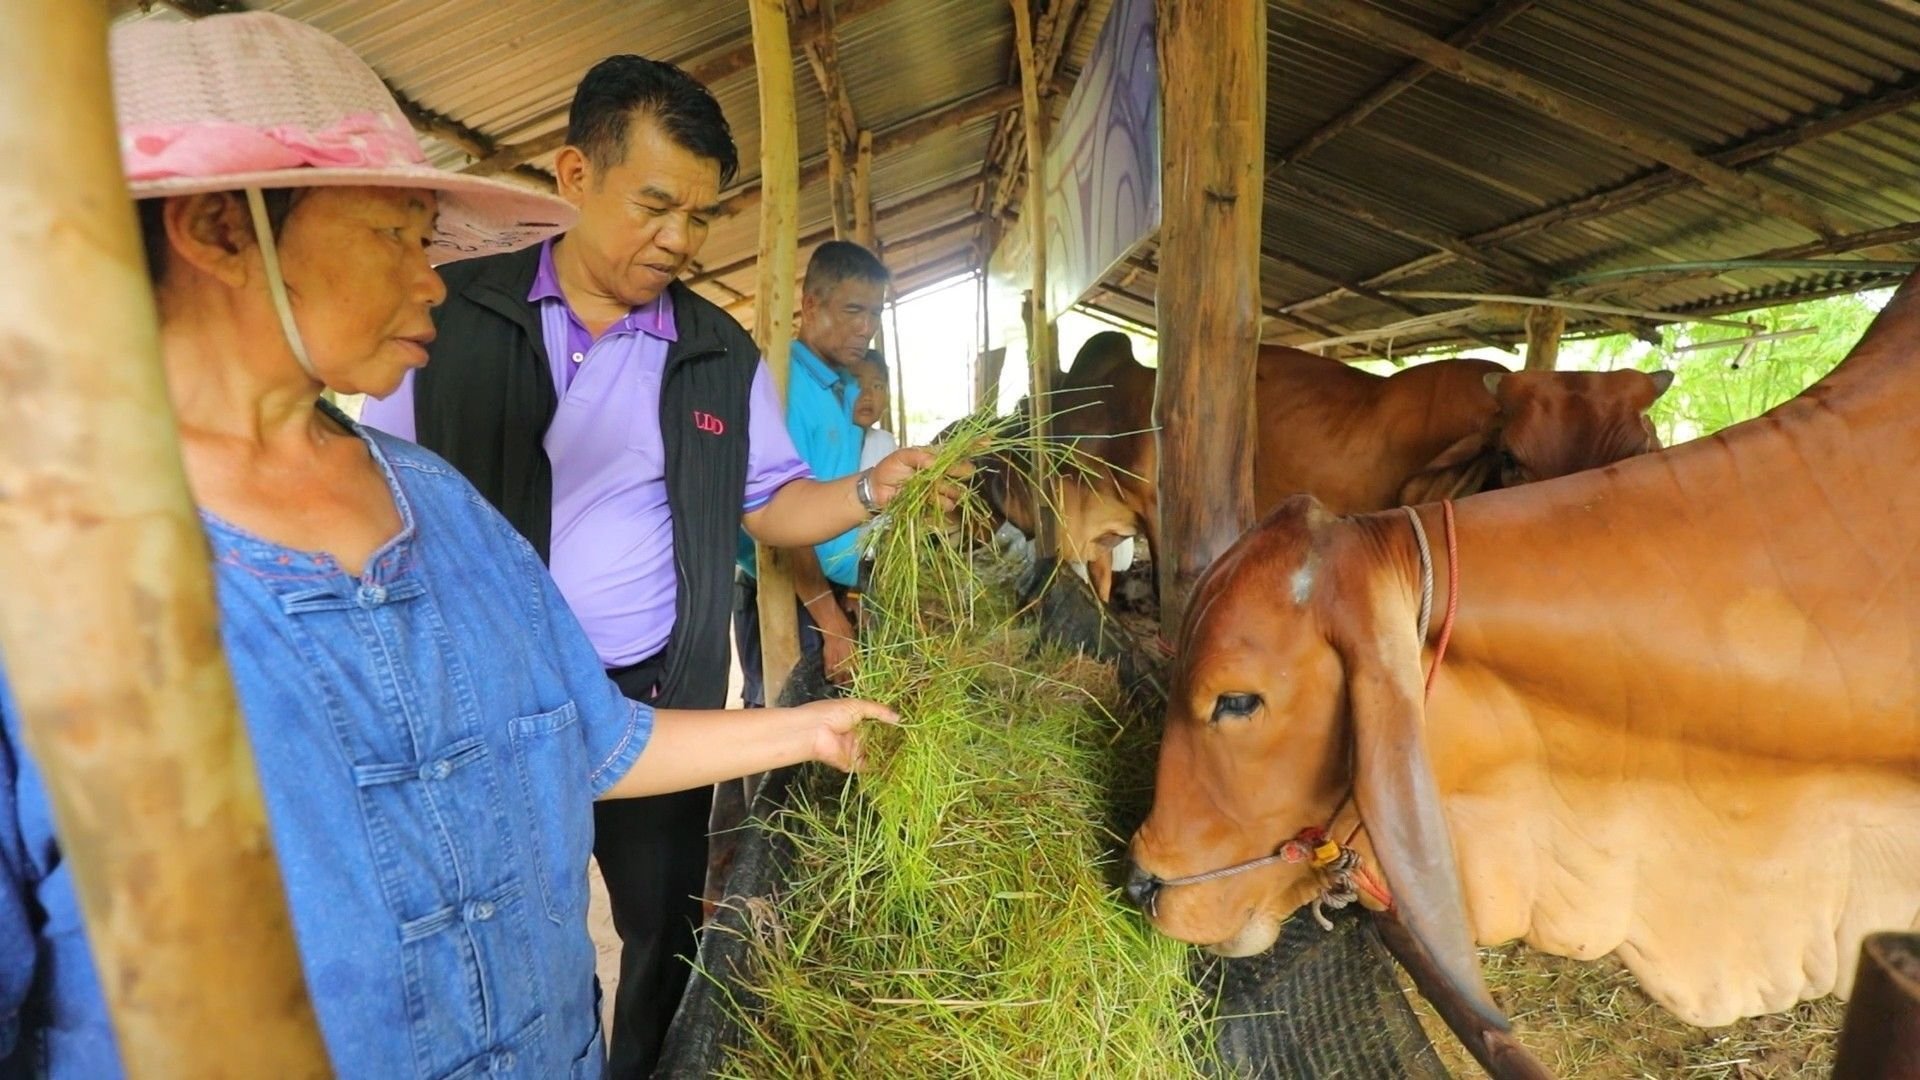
{"x": 820, "y": 400}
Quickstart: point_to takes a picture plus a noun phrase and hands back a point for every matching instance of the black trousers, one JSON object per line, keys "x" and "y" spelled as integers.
{"x": 746, "y": 638}
{"x": 653, "y": 855}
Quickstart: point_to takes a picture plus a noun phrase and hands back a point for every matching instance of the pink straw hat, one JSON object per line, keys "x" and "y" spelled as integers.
{"x": 257, "y": 100}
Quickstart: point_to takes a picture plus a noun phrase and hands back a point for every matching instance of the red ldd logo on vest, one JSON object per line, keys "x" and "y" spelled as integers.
{"x": 709, "y": 423}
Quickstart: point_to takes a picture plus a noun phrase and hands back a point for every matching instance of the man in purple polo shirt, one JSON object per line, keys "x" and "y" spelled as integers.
{"x": 628, "y": 430}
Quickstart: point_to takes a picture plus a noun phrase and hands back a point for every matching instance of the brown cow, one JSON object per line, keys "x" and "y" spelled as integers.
{"x": 1358, "y": 441}
{"x": 1354, "y": 440}
{"x": 1103, "y": 410}
{"x": 1679, "y": 719}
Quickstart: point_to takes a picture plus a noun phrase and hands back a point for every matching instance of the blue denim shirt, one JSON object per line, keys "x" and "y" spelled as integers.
{"x": 430, "y": 736}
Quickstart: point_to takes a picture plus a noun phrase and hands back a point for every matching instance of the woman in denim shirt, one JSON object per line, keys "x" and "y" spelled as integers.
{"x": 428, "y": 721}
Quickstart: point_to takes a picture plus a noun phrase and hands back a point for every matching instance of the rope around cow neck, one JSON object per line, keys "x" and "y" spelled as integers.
{"x": 1339, "y": 864}
{"x": 1426, "y": 584}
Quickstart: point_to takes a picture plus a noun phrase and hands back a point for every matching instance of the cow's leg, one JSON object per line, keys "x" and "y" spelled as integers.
{"x": 1100, "y": 572}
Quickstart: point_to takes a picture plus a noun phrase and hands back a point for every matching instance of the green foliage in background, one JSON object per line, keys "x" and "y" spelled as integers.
{"x": 1716, "y": 388}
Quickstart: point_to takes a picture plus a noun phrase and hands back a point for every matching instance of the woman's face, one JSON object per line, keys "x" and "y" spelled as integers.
{"x": 355, "y": 264}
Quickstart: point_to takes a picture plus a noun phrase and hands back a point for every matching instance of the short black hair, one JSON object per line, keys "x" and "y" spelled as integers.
{"x": 619, "y": 87}
{"x": 877, "y": 359}
{"x": 841, "y": 260}
{"x": 153, "y": 226}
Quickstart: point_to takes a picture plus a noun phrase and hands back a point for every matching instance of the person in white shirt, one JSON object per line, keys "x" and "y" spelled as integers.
{"x": 871, "y": 406}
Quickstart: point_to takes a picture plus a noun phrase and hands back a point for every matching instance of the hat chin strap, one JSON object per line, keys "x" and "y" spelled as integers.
{"x": 277, "y": 286}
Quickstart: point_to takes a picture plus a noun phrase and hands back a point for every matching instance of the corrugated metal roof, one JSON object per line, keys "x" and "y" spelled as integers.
{"x": 1443, "y": 158}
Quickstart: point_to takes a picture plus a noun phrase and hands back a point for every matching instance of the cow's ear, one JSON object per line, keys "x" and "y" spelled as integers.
{"x": 1399, "y": 802}
{"x": 1461, "y": 469}
{"x": 1662, "y": 381}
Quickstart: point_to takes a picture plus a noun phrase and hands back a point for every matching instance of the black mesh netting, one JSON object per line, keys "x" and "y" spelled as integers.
{"x": 1321, "y": 1004}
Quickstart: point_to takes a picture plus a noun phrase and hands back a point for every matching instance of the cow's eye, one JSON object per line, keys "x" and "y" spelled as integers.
{"x": 1234, "y": 706}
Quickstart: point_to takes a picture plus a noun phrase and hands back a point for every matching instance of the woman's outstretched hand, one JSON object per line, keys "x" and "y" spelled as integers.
{"x": 836, "y": 740}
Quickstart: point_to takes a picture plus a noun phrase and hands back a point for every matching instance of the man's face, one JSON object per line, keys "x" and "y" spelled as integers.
{"x": 840, "y": 323}
{"x": 642, "y": 220}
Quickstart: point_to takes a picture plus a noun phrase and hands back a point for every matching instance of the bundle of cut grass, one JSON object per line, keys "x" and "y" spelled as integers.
{"x": 951, "y": 912}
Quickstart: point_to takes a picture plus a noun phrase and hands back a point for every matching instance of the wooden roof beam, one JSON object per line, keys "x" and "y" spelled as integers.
{"x": 1466, "y": 37}
{"x": 1510, "y": 267}
{"x": 898, "y": 137}
{"x": 896, "y": 211}
{"x": 1053, "y": 31}
{"x": 733, "y": 59}
{"x": 1375, "y": 28}
{"x": 843, "y": 124}
{"x": 1374, "y": 295}
{"x": 1895, "y": 98}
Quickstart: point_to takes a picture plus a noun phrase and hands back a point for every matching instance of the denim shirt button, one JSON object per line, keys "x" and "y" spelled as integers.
{"x": 479, "y": 911}
{"x": 504, "y": 1061}
{"x": 436, "y": 770}
{"x": 372, "y": 595}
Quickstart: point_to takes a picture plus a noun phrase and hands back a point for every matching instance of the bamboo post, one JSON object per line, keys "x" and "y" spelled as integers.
{"x": 899, "y": 369}
{"x": 984, "y": 328}
{"x": 774, "y": 300}
{"x": 1544, "y": 327}
{"x": 863, "y": 231}
{"x": 1880, "y": 1036}
{"x": 1040, "y": 360}
{"x": 1214, "y": 103}
{"x": 109, "y": 630}
{"x": 868, "y": 237}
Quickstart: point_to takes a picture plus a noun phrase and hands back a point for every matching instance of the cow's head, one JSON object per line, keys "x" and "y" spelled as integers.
{"x": 1298, "y": 681}
{"x": 1546, "y": 424}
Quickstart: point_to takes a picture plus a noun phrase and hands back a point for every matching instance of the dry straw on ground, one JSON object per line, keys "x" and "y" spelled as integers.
{"x": 1589, "y": 1020}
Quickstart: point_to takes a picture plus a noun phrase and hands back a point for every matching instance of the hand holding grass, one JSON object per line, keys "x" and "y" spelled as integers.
{"x": 893, "y": 471}
{"x": 692, "y": 748}
{"x": 836, "y": 739}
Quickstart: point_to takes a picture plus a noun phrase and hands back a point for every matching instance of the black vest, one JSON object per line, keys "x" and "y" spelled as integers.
{"x": 485, "y": 401}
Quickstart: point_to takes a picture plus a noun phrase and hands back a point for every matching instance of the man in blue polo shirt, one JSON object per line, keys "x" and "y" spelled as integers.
{"x": 840, "y": 304}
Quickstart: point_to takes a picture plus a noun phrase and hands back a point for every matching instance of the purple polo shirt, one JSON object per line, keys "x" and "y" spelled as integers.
{"x": 612, "y": 544}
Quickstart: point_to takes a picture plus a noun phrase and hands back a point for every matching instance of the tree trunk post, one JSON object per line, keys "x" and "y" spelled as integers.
{"x": 110, "y": 630}
{"x": 1041, "y": 364}
{"x": 1213, "y": 93}
{"x": 1544, "y": 327}
{"x": 773, "y": 303}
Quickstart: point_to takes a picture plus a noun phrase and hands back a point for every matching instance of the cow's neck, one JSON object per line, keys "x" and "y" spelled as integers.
{"x": 1738, "y": 586}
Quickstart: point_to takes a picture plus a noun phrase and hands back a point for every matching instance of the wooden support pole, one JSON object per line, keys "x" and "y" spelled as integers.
{"x": 1213, "y": 90}
{"x": 109, "y": 630}
{"x": 863, "y": 231}
{"x": 899, "y": 371}
{"x": 1371, "y": 26}
{"x": 1544, "y": 327}
{"x": 823, "y": 56}
{"x": 1041, "y": 364}
{"x": 1880, "y": 1037}
{"x": 1005, "y": 165}
{"x": 773, "y": 312}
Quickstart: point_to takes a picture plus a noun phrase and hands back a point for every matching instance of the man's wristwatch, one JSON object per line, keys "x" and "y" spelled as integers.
{"x": 863, "y": 490}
